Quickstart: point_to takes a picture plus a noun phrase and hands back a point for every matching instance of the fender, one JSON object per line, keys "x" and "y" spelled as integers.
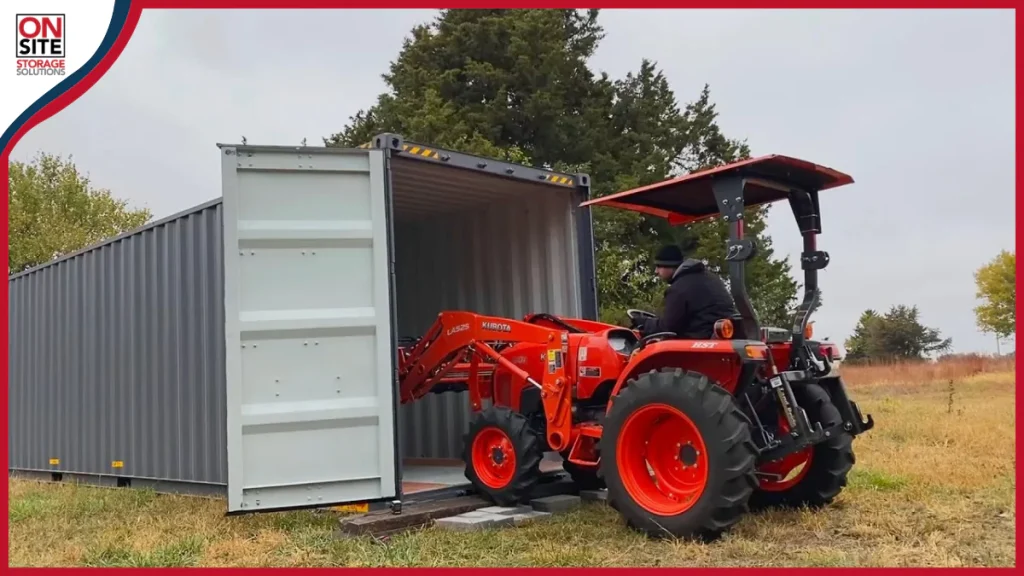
{"x": 719, "y": 360}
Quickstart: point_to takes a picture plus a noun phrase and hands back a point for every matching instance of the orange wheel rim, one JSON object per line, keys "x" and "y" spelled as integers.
{"x": 494, "y": 457}
{"x": 787, "y": 471}
{"x": 662, "y": 460}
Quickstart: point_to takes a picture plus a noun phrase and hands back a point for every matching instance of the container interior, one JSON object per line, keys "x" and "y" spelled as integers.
{"x": 473, "y": 241}
{"x": 422, "y": 476}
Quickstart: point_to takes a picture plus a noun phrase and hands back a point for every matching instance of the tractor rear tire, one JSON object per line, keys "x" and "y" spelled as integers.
{"x": 691, "y": 437}
{"x": 830, "y": 461}
{"x": 502, "y": 455}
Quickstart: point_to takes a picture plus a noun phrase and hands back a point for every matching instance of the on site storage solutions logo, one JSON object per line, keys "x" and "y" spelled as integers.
{"x": 40, "y": 44}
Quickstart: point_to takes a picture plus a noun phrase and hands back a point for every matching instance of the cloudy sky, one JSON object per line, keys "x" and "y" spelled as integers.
{"x": 918, "y": 106}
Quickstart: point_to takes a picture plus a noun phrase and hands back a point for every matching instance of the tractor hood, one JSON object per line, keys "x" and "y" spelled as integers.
{"x": 690, "y": 198}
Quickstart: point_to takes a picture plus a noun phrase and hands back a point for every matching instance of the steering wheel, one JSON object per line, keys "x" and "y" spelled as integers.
{"x": 635, "y": 316}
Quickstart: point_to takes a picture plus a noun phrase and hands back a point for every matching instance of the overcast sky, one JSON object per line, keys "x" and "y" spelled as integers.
{"x": 918, "y": 106}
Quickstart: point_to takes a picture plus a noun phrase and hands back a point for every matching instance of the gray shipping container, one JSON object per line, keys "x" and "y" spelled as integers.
{"x": 248, "y": 345}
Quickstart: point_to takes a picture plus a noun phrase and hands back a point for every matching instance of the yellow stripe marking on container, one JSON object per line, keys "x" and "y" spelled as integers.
{"x": 117, "y": 464}
{"x": 563, "y": 180}
{"x": 420, "y": 151}
{"x": 54, "y": 461}
{"x": 364, "y": 507}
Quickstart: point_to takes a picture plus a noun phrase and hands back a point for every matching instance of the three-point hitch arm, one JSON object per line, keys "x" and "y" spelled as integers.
{"x": 458, "y": 341}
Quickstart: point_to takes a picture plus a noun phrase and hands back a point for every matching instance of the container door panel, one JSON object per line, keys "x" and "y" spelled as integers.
{"x": 309, "y": 359}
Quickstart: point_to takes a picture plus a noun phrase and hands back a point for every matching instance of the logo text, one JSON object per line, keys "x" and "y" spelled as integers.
{"x": 39, "y": 44}
{"x": 497, "y": 326}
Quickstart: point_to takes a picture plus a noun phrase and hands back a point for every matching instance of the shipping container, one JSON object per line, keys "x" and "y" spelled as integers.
{"x": 248, "y": 346}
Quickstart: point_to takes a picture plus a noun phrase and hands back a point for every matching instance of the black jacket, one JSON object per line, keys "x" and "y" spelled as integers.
{"x": 695, "y": 299}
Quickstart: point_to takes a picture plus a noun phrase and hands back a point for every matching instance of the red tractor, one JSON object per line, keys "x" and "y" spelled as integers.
{"x": 686, "y": 435}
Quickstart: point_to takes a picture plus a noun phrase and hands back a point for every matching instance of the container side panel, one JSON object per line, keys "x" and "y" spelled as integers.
{"x": 117, "y": 358}
{"x": 509, "y": 258}
{"x": 308, "y": 343}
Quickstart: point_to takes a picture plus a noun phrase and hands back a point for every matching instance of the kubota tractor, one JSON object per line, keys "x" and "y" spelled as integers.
{"x": 686, "y": 435}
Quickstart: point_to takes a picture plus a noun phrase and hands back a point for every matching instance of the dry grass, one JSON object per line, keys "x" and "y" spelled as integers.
{"x": 933, "y": 486}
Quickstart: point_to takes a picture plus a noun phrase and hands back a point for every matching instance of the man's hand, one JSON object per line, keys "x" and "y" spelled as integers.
{"x": 637, "y": 318}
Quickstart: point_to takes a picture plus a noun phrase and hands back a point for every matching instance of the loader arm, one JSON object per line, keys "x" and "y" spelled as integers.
{"x": 458, "y": 339}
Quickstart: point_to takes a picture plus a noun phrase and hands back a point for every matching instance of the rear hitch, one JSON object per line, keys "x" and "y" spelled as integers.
{"x": 770, "y": 442}
{"x": 853, "y": 421}
{"x": 799, "y": 425}
{"x": 791, "y": 444}
{"x": 865, "y": 424}
{"x": 803, "y": 432}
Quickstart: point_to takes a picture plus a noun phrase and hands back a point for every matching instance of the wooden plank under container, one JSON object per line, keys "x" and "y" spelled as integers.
{"x": 414, "y": 515}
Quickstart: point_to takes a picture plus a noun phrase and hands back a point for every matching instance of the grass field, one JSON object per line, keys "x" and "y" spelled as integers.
{"x": 933, "y": 486}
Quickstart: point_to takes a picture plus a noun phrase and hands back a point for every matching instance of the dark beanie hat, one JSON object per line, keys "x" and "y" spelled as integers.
{"x": 669, "y": 256}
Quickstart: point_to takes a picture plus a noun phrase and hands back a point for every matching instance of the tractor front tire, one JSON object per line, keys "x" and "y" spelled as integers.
{"x": 677, "y": 456}
{"x": 822, "y": 478}
{"x": 502, "y": 455}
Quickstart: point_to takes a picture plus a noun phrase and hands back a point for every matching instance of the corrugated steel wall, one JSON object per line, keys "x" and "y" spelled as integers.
{"x": 515, "y": 258}
{"x": 117, "y": 355}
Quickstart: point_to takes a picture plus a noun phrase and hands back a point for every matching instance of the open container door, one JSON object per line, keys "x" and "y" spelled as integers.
{"x": 308, "y": 328}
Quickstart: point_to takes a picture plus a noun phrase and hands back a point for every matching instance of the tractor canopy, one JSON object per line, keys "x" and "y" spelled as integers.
{"x": 690, "y": 198}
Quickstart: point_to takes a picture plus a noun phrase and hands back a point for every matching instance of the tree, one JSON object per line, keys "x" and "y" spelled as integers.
{"x": 997, "y": 287}
{"x": 486, "y": 81}
{"x": 689, "y": 141}
{"x": 895, "y": 336}
{"x": 53, "y": 210}
{"x": 515, "y": 84}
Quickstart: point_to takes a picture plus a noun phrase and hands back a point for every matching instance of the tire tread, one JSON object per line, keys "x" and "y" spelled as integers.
{"x": 528, "y": 451}
{"x": 726, "y": 501}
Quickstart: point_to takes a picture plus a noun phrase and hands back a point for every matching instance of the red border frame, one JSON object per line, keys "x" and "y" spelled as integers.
{"x": 137, "y": 6}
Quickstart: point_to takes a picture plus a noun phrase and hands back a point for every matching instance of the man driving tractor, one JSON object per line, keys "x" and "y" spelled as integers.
{"x": 695, "y": 299}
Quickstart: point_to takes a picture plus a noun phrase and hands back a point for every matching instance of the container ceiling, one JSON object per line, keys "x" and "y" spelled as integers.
{"x": 425, "y": 189}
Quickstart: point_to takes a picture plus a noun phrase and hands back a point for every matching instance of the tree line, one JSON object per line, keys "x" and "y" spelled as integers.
{"x": 516, "y": 85}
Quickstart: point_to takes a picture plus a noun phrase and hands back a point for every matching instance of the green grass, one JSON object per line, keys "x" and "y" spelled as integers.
{"x": 933, "y": 486}
{"x": 185, "y": 552}
{"x": 876, "y": 480}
